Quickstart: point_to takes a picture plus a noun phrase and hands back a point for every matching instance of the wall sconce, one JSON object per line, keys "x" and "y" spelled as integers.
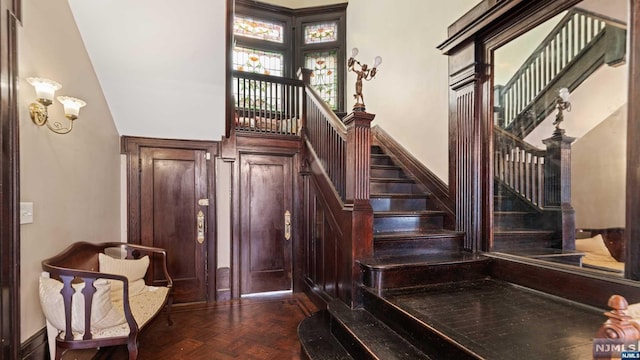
{"x": 45, "y": 90}
{"x": 562, "y": 104}
{"x": 363, "y": 73}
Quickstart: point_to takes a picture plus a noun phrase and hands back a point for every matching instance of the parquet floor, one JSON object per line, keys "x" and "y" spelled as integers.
{"x": 255, "y": 328}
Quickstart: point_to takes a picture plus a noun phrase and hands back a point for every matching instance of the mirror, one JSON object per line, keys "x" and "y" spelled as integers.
{"x": 560, "y": 167}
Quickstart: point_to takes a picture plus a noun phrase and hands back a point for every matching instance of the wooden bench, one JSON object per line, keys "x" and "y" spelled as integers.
{"x": 89, "y": 307}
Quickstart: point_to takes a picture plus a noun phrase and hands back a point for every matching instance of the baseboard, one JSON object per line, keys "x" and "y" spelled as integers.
{"x": 35, "y": 348}
{"x": 223, "y": 284}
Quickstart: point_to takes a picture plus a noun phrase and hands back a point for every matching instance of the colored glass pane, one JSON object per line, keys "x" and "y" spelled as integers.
{"x": 258, "y": 94}
{"x": 324, "y": 77}
{"x": 319, "y": 33}
{"x": 258, "y": 61}
{"x": 258, "y": 29}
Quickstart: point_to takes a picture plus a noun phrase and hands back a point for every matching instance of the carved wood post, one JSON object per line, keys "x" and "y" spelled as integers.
{"x": 357, "y": 192}
{"x": 304, "y": 75}
{"x": 557, "y": 185}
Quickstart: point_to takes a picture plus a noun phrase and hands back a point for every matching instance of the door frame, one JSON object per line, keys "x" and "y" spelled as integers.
{"x": 131, "y": 146}
{"x": 267, "y": 145}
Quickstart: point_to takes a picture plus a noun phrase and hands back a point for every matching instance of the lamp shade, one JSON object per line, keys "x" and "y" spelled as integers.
{"x": 564, "y": 94}
{"x": 45, "y": 88}
{"x": 71, "y": 106}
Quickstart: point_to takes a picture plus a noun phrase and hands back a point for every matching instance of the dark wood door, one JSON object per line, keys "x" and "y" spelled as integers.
{"x": 172, "y": 183}
{"x": 266, "y": 186}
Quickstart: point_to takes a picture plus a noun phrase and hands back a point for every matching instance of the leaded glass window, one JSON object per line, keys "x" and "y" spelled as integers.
{"x": 258, "y": 61}
{"x": 258, "y": 29}
{"x": 324, "y": 77}
{"x": 320, "y": 33}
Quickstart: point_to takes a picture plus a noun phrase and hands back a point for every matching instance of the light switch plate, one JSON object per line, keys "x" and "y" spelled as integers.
{"x": 26, "y": 213}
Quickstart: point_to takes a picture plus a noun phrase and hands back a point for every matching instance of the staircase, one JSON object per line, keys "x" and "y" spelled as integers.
{"x": 518, "y": 224}
{"x": 406, "y": 220}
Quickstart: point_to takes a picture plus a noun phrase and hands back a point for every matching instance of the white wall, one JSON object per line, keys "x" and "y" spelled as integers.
{"x": 73, "y": 179}
{"x": 299, "y": 4}
{"x": 410, "y": 93}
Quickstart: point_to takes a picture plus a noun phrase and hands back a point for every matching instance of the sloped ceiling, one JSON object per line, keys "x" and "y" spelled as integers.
{"x": 161, "y": 63}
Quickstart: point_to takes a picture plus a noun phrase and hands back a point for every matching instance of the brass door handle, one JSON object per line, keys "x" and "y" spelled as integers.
{"x": 287, "y": 225}
{"x": 200, "y": 227}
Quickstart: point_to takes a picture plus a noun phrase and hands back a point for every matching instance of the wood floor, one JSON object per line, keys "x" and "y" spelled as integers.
{"x": 250, "y": 328}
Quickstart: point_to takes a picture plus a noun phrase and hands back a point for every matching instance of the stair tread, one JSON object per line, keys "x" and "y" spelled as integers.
{"x": 395, "y": 180}
{"x": 401, "y": 261}
{"x": 385, "y": 166}
{"x": 431, "y": 233}
{"x": 523, "y": 231}
{"x": 425, "y": 195}
{"x": 408, "y": 213}
{"x": 317, "y": 341}
{"x": 372, "y": 334}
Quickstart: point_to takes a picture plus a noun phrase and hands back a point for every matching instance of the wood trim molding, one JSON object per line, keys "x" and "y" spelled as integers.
{"x": 36, "y": 347}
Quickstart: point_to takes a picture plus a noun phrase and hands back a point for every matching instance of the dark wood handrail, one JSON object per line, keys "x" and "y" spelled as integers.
{"x": 267, "y": 78}
{"x": 326, "y": 111}
{"x": 505, "y": 138}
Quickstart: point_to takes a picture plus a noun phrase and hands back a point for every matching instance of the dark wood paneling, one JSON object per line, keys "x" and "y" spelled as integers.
{"x": 9, "y": 184}
{"x": 132, "y": 147}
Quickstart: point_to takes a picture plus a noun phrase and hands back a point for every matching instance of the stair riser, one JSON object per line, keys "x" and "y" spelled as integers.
{"x": 407, "y": 223}
{"x": 509, "y": 204}
{"x": 421, "y": 336}
{"x": 512, "y": 242}
{"x": 382, "y": 187}
{"x": 516, "y": 220}
{"x": 346, "y": 339}
{"x": 385, "y": 173}
{"x": 391, "y": 204}
{"x": 381, "y": 160}
{"x": 412, "y": 246}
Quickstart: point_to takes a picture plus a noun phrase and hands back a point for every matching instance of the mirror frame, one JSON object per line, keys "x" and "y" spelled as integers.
{"x": 472, "y": 40}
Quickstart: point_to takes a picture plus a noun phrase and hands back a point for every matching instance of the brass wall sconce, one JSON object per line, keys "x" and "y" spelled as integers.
{"x": 562, "y": 104}
{"x": 45, "y": 91}
{"x": 363, "y": 73}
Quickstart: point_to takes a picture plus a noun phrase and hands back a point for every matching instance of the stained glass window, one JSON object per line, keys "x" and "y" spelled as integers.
{"x": 258, "y": 29}
{"x": 324, "y": 77}
{"x": 321, "y": 32}
{"x": 257, "y": 61}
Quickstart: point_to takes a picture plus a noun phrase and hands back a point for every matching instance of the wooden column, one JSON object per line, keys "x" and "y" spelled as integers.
{"x": 465, "y": 143}
{"x": 357, "y": 193}
{"x": 632, "y": 226}
{"x": 557, "y": 185}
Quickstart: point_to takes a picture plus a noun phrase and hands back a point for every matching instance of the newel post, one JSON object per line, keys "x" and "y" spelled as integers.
{"x": 557, "y": 184}
{"x": 304, "y": 74}
{"x": 358, "y": 158}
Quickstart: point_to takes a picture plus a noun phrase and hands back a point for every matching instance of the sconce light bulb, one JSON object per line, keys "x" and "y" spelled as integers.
{"x": 377, "y": 61}
{"x": 354, "y": 52}
{"x": 564, "y": 94}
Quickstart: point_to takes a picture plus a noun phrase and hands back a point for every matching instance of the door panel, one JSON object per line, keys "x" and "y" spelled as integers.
{"x": 172, "y": 182}
{"x": 266, "y": 194}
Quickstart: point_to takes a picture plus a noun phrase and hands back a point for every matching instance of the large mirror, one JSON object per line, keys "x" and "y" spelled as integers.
{"x": 560, "y": 161}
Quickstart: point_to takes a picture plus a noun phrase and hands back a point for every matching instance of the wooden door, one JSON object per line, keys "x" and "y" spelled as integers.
{"x": 172, "y": 183}
{"x": 266, "y": 187}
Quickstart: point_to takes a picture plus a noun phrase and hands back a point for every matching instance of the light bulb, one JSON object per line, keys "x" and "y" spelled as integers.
{"x": 377, "y": 61}
{"x": 354, "y": 52}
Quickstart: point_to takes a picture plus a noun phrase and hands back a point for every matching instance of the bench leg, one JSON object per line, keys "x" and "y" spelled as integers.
{"x": 132, "y": 346}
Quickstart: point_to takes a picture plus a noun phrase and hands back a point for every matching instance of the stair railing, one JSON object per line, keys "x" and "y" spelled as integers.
{"x": 267, "y": 104}
{"x": 338, "y": 153}
{"x": 572, "y": 36}
{"x": 520, "y": 166}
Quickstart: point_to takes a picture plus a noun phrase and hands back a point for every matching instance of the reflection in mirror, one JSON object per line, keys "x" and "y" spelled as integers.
{"x": 559, "y": 186}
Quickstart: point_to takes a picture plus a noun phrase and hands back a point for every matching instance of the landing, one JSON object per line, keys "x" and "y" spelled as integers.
{"x": 499, "y": 320}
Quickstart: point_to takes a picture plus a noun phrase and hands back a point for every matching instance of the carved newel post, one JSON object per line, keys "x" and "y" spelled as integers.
{"x": 619, "y": 325}
{"x": 358, "y": 156}
{"x": 557, "y": 178}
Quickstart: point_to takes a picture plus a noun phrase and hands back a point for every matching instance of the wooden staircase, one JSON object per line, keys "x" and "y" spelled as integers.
{"x": 518, "y": 224}
{"x": 406, "y": 221}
